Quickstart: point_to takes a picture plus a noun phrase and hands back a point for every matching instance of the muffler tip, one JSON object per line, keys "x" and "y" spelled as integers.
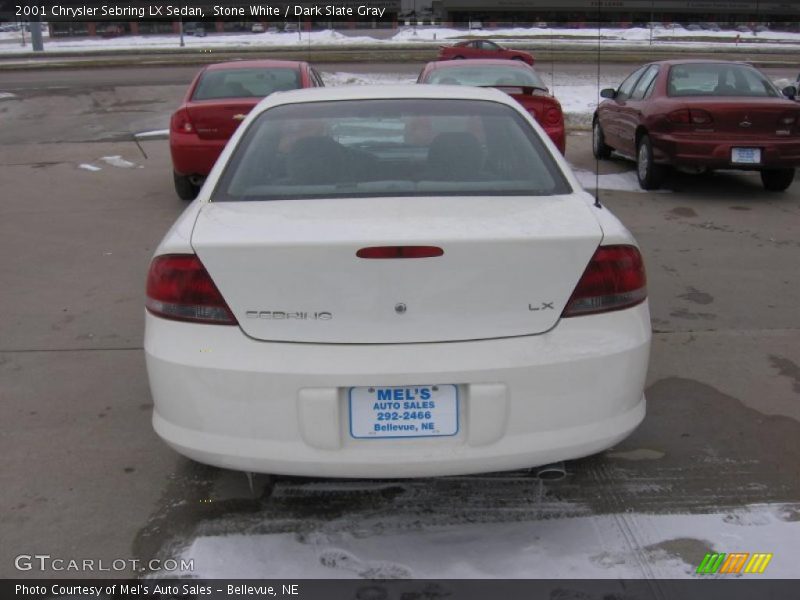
{"x": 552, "y": 472}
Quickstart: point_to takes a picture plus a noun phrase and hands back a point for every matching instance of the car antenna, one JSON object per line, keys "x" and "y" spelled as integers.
{"x": 596, "y": 159}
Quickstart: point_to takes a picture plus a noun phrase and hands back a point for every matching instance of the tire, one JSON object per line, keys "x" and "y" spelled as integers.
{"x": 650, "y": 175}
{"x": 599, "y": 147}
{"x": 517, "y": 58}
{"x": 458, "y": 58}
{"x": 185, "y": 189}
{"x": 777, "y": 180}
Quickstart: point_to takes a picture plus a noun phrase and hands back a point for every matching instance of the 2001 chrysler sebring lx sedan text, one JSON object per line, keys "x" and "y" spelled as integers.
{"x": 392, "y": 282}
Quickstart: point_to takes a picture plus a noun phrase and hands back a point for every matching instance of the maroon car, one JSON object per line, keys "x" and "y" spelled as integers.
{"x": 700, "y": 115}
{"x": 482, "y": 49}
{"x": 218, "y": 100}
{"x": 518, "y": 80}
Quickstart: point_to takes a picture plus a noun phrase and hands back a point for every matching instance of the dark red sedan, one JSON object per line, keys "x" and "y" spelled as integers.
{"x": 517, "y": 79}
{"x": 482, "y": 49}
{"x": 218, "y": 100}
{"x": 700, "y": 115}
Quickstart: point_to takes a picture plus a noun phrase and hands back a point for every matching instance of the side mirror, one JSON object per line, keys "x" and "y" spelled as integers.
{"x": 790, "y": 91}
{"x": 610, "y": 93}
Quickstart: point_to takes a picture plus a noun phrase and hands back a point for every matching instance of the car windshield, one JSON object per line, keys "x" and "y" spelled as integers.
{"x": 403, "y": 147}
{"x": 494, "y": 75}
{"x": 718, "y": 80}
{"x": 245, "y": 83}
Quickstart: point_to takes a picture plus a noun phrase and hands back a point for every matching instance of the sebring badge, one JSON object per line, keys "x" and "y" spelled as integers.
{"x": 281, "y": 315}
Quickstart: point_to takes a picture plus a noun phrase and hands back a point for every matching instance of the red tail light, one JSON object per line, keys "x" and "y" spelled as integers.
{"x": 613, "y": 280}
{"x": 693, "y": 116}
{"x": 552, "y": 115}
{"x": 180, "y": 288}
{"x": 400, "y": 252}
{"x": 180, "y": 122}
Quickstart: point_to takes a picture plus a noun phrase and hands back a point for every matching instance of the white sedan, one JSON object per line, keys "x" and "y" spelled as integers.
{"x": 394, "y": 281}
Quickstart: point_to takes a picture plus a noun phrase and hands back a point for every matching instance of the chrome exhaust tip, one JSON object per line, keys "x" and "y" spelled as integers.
{"x": 552, "y": 472}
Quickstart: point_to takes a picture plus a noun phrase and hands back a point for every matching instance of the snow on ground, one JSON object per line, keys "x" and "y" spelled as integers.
{"x": 661, "y": 37}
{"x": 623, "y": 182}
{"x": 7, "y": 95}
{"x": 341, "y": 78}
{"x": 118, "y": 161}
{"x": 625, "y": 545}
{"x": 156, "y": 133}
{"x": 89, "y": 167}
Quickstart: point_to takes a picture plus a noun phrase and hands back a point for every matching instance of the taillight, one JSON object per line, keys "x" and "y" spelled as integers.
{"x": 400, "y": 252}
{"x": 690, "y": 116}
{"x": 180, "y": 288}
{"x": 552, "y": 116}
{"x": 180, "y": 122}
{"x": 613, "y": 280}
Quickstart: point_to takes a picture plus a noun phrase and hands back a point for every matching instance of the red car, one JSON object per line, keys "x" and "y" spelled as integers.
{"x": 700, "y": 115}
{"x": 218, "y": 100}
{"x": 518, "y": 79}
{"x": 482, "y": 49}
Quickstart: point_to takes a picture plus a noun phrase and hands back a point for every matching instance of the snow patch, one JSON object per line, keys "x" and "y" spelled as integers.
{"x": 152, "y": 134}
{"x": 625, "y": 545}
{"x": 7, "y": 95}
{"x": 88, "y": 167}
{"x": 622, "y": 182}
{"x": 118, "y": 161}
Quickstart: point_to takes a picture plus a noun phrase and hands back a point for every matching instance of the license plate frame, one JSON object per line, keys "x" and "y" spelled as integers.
{"x": 396, "y": 403}
{"x": 746, "y": 156}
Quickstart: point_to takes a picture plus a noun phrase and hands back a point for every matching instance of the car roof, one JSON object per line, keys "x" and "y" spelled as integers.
{"x": 255, "y": 64}
{"x": 482, "y": 62}
{"x": 411, "y": 91}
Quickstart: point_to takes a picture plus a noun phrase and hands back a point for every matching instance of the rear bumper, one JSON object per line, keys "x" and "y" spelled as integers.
{"x": 716, "y": 153}
{"x": 224, "y": 399}
{"x": 192, "y": 155}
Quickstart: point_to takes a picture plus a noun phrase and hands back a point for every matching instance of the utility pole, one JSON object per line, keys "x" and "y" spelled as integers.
{"x": 180, "y": 29}
{"x": 36, "y": 34}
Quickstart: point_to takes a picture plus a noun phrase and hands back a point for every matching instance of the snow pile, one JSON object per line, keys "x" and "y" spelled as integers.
{"x": 340, "y": 78}
{"x": 627, "y": 545}
{"x": 7, "y": 95}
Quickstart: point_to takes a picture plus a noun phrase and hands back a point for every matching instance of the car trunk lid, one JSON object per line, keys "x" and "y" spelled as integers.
{"x": 218, "y": 119}
{"x": 289, "y": 270}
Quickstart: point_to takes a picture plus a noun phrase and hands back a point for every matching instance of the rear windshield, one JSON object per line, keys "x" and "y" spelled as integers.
{"x": 486, "y": 76}
{"x": 718, "y": 80}
{"x": 369, "y": 148}
{"x": 245, "y": 83}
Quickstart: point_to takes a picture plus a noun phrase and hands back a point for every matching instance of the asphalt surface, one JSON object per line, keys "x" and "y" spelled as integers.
{"x": 83, "y": 475}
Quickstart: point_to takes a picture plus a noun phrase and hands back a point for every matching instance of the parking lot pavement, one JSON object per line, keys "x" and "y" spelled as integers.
{"x": 82, "y": 475}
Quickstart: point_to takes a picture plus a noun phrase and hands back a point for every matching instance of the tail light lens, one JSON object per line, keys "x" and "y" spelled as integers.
{"x": 693, "y": 116}
{"x": 180, "y": 122}
{"x": 613, "y": 280}
{"x": 180, "y": 288}
{"x": 552, "y": 115}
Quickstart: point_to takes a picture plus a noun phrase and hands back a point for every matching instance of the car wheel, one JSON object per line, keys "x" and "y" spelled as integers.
{"x": 184, "y": 187}
{"x": 649, "y": 173}
{"x": 458, "y": 58}
{"x": 777, "y": 180}
{"x": 517, "y": 58}
{"x": 599, "y": 147}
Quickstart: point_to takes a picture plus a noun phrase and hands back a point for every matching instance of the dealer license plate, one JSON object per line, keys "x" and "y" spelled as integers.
{"x": 746, "y": 156}
{"x": 409, "y": 411}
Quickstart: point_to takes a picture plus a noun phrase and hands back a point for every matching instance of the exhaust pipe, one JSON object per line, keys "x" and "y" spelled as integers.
{"x": 552, "y": 472}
